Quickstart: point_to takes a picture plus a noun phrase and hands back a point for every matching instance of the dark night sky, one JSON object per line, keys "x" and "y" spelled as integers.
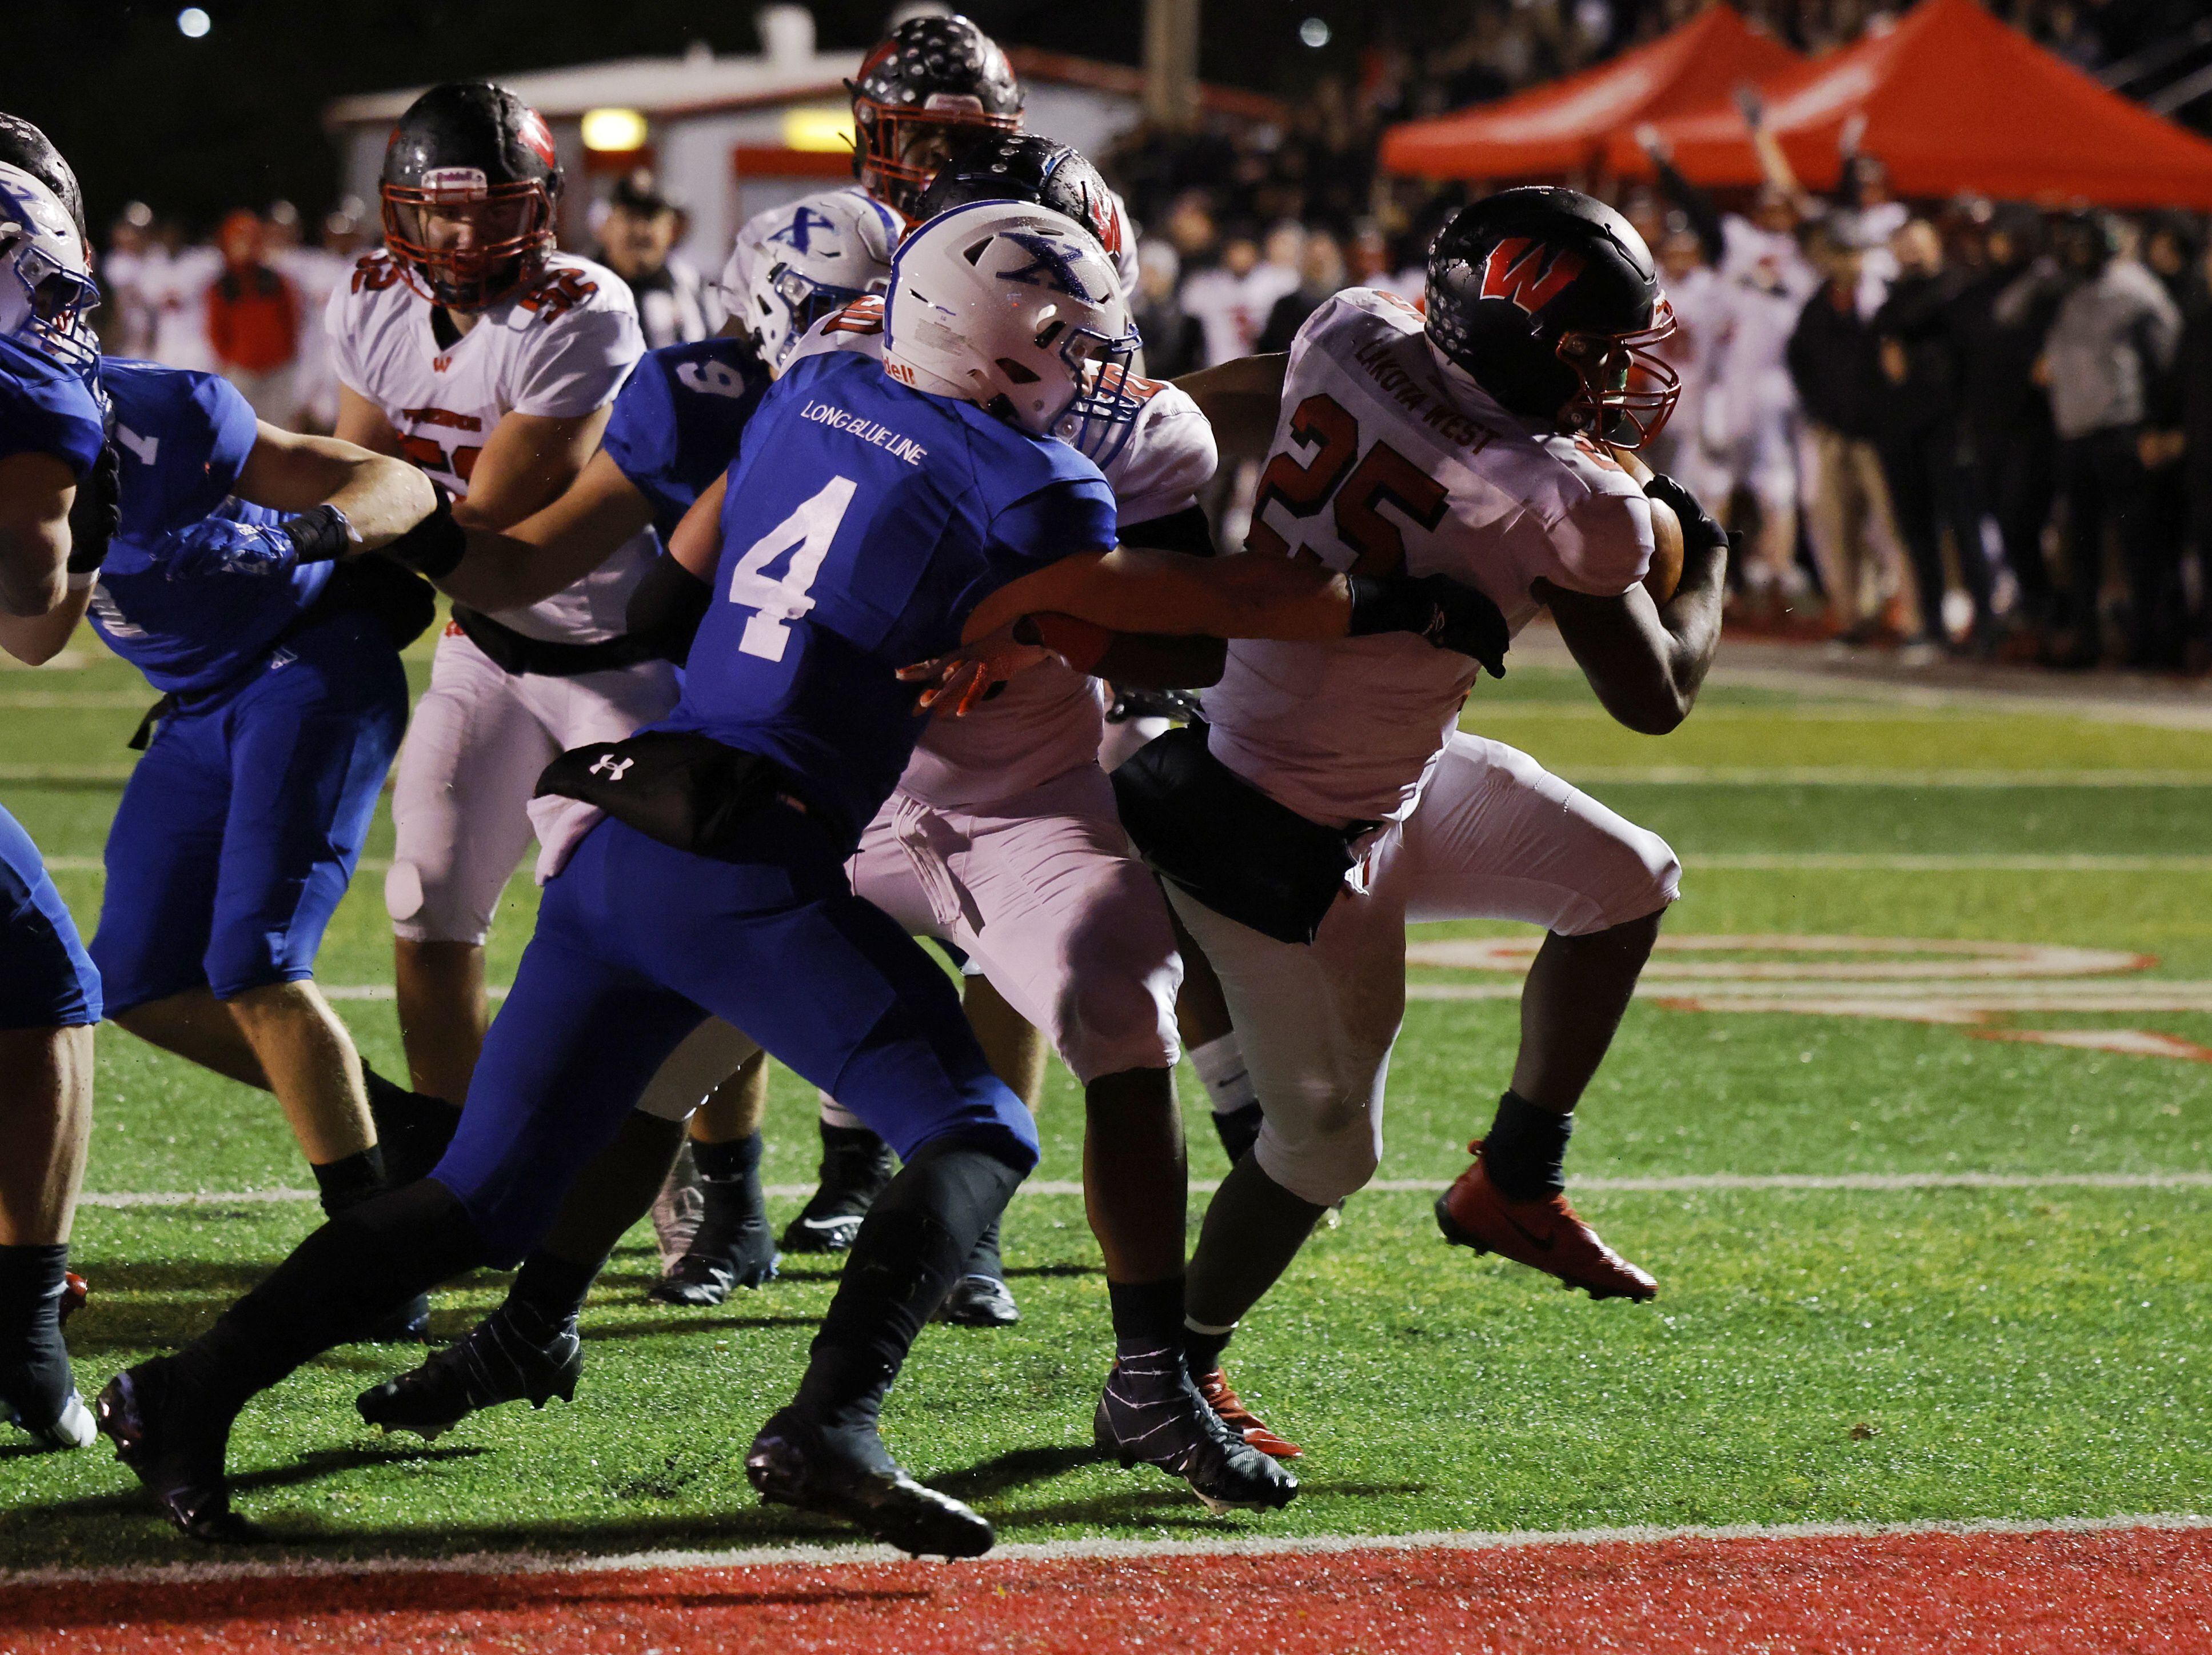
{"x": 196, "y": 126}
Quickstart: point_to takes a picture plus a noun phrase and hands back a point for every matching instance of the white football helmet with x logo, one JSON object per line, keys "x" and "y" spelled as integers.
{"x": 1017, "y": 308}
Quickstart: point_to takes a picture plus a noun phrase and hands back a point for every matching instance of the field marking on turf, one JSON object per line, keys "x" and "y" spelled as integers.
{"x": 1852, "y": 775}
{"x": 531, "y": 1562}
{"x": 1679, "y": 1184}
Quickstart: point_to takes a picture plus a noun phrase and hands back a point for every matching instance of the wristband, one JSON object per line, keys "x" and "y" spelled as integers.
{"x": 434, "y": 546}
{"x": 1388, "y": 606}
{"x": 322, "y": 536}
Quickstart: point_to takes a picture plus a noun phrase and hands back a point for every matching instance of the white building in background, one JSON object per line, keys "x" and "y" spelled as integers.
{"x": 736, "y": 135}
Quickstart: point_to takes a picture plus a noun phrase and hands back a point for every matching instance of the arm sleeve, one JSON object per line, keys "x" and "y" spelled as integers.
{"x": 579, "y": 363}
{"x": 1071, "y": 515}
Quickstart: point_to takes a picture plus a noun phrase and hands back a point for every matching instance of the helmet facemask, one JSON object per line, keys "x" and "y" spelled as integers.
{"x": 468, "y": 243}
{"x": 1103, "y": 411}
{"x": 902, "y": 147}
{"x": 1628, "y": 390}
{"x": 58, "y": 305}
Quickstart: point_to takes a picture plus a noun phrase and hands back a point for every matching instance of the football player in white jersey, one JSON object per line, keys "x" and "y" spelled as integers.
{"x": 472, "y": 348}
{"x": 1332, "y": 799}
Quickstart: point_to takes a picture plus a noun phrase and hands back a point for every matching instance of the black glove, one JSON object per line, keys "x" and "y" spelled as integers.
{"x": 1450, "y": 616}
{"x": 436, "y": 544}
{"x": 96, "y": 514}
{"x": 1700, "y": 533}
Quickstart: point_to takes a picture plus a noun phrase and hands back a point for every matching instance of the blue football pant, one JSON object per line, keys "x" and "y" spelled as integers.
{"x": 637, "y": 942}
{"x": 47, "y": 980}
{"x": 240, "y": 829}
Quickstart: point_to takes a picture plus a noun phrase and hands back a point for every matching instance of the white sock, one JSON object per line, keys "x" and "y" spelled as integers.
{"x": 1220, "y": 1065}
{"x": 835, "y": 1113}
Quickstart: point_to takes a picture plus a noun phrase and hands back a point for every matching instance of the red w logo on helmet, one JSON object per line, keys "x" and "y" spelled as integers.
{"x": 1527, "y": 272}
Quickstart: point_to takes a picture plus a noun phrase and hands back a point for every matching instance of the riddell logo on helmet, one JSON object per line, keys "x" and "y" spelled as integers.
{"x": 1527, "y": 272}
{"x": 458, "y": 183}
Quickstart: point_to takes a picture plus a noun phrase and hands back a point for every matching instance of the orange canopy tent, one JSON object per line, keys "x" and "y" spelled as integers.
{"x": 1564, "y": 126}
{"x": 1953, "y": 100}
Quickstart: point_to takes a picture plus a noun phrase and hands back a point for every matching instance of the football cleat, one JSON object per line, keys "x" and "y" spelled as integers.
{"x": 179, "y": 1459}
{"x": 677, "y": 1211}
{"x": 732, "y": 1248}
{"x": 498, "y": 1362}
{"x": 848, "y": 1474}
{"x": 74, "y": 1293}
{"x": 73, "y": 1428}
{"x": 856, "y": 1165}
{"x": 1546, "y": 1234}
{"x": 1214, "y": 1387}
{"x": 1151, "y": 1414}
{"x": 979, "y": 1301}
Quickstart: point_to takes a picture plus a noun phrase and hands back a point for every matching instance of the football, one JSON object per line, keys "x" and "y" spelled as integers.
{"x": 1666, "y": 572}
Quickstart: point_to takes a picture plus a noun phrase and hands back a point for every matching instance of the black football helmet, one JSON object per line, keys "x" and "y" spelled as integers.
{"x": 930, "y": 74}
{"x": 987, "y": 165}
{"x": 1551, "y": 300}
{"x": 470, "y": 181}
{"x": 23, "y": 146}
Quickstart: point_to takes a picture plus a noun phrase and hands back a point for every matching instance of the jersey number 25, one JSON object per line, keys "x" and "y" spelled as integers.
{"x": 1358, "y": 486}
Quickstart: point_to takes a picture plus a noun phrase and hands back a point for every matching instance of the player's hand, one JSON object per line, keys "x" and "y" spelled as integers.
{"x": 1450, "y": 616}
{"x": 958, "y": 683}
{"x": 220, "y": 546}
{"x": 1700, "y": 531}
{"x": 96, "y": 514}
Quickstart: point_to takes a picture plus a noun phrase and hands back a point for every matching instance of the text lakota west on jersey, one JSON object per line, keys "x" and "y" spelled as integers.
{"x": 1393, "y": 382}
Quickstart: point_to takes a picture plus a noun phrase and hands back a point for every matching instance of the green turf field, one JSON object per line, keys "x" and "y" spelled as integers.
{"x": 1867, "y": 1352}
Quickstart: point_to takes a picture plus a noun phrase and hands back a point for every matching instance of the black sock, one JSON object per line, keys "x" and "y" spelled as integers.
{"x": 354, "y": 1270}
{"x": 1201, "y": 1352}
{"x": 35, "y": 1370}
{"x": 1525, "y": 1151}
{"x": 1147, "y": 1315}
{"x": 905, "y": 1259}
{"x": 548, "y": 1290}
{"x": 349, "y": 1180}
{"x": 983, "y": 1257}
{"x": 412, "y": 1128}
{"x": 723, "y": 1163}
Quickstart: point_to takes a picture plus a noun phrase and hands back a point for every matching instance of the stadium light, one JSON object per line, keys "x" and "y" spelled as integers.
{"x": 613, "y": 131}
{"x": 192, "y": 22}
{"x": 827, "y": 130}
{"x": 1315, "y": 32}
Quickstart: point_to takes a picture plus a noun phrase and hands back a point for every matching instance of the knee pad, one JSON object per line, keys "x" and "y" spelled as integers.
{"x": 1330, "y": 1155}
{"x": 428, "y": 906}
{"x": 1114, "y": 1021}
{"x": 1637, "y": 877}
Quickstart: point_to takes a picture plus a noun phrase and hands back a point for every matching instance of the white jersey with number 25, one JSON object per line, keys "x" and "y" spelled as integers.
{"x": 1388, "y": 458}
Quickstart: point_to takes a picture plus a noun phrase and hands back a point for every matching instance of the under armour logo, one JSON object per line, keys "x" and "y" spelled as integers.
{"x": 1527, "y": 272}
{"x": 1052, "y": 265}
{"x": 804, "y": 223}
{"x": 608, "y": 766}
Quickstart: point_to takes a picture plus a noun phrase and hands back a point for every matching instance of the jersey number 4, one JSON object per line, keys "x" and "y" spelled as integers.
{"x": 805, "y": 533}
{"x": 1359, "y": 485}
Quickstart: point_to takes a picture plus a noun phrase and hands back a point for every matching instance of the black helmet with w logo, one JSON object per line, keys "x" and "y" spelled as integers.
{"x": 1551, "y": 299}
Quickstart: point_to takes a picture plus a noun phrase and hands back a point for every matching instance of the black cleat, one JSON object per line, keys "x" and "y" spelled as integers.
{"x": 1238, "y": 1130}
{"x": 498, "y": 1362}
{"x": 1151, "y": 1414}
{"x": 179, "y": 1459}
{"x": 848, "y": 1474}
{"x": 856, "y": 1165}
{"x": 979, "y": 1301}
{"x": 732, "y": 1248}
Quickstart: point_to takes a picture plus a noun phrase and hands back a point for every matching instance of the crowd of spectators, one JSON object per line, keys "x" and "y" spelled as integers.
{"x": 1961, "y": 426}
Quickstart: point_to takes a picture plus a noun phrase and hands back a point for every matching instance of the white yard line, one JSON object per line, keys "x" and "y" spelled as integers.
{"x": 1681, "y": 1184}
{"x": 525, "y": 1562}
{"x": 1849, "y": 775}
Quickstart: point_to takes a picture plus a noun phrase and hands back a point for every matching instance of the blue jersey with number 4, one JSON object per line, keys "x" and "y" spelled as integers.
{"x": 676, "y": 425}
{"x": 861, "y": 525}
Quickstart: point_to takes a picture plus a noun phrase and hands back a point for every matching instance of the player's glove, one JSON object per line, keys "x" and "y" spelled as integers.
{"x": 95, "y": 515}
{"x": 1450, "y": 616}
{"x": 1700, "y": 533}
{"x": 221, "y": 546}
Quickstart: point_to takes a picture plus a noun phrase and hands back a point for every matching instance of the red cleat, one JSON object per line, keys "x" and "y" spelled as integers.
{"x": 1546, "y": 1234}
{"x": 74, "y": 1292}
{"x": 1214, "y": 1387}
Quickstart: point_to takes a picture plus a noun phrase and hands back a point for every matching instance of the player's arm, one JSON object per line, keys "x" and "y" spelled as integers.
{"x": 529, "y": 463}
{"x": 40, "y": 605}
{"x": 1646, "y": 660}
{"x": 551, "y": 549}
{"x": 382, "y": 497}
{"x": 1240, "y": 399}
{"x": 670, "y": 599}
{"x": 361, "y": 423}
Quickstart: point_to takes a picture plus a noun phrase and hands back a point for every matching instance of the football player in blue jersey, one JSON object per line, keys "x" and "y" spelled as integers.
{"x": 56, "y": 496}
{"x": 878, "y": 514}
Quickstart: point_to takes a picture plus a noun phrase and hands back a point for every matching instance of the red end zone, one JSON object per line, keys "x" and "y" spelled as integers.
{"x": 2113, "y": 1590}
